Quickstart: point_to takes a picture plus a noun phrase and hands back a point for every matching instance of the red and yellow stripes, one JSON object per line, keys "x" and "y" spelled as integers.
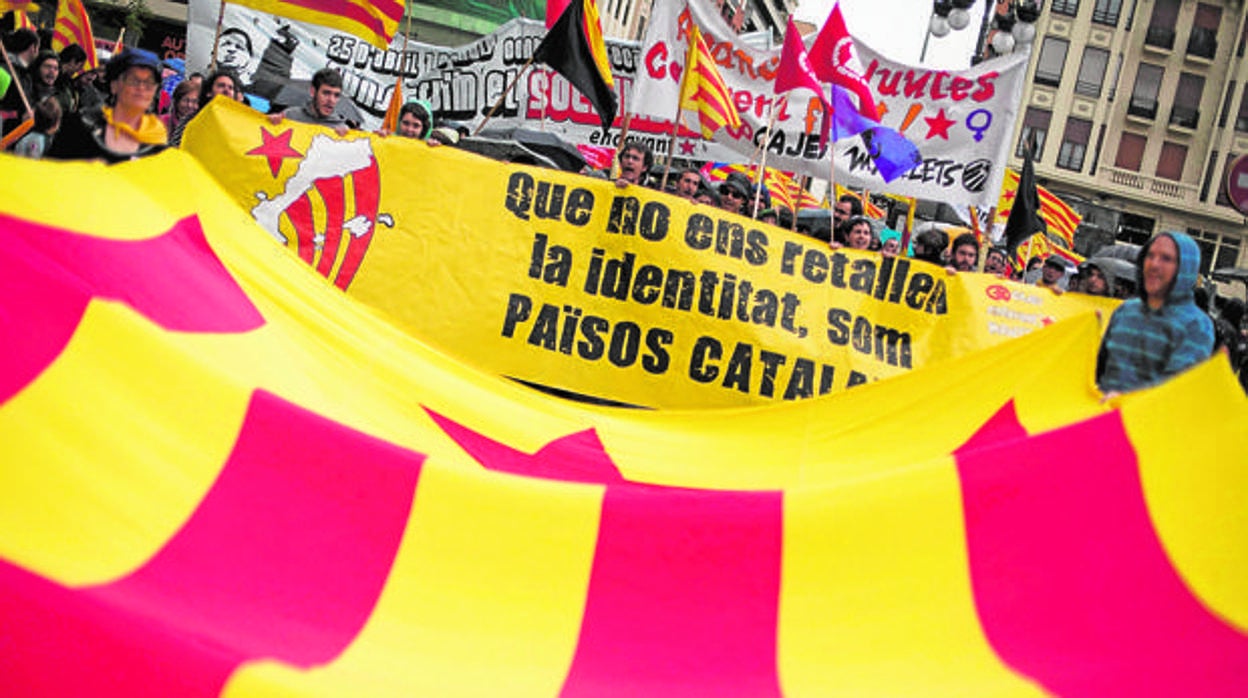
{"x": 375, "y": 22}
{"x": 593, "y": 39}
{"x": 703, "y": 89}
{"x": 225, "y": 477}
{"x": 73, "y": 26}
{"x": 1061, "y": 218}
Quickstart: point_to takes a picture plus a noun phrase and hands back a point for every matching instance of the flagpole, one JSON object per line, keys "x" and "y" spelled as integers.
{"x": 762, "y": 161}
{"x": 680, "y": 96}
{"x": 797, "y": 202}
{"x": 27, "y": 123}
{"x": 398, "y": 79}
{"x": 510, "y": 86}
{"x": 619, "y": 147}
{"x": 216, "y": 38}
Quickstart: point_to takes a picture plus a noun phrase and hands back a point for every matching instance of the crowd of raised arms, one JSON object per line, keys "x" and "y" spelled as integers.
{"x": 136, "y": 105}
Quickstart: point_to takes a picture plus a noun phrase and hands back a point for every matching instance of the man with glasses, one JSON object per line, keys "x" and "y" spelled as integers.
{"x": 732, "y": 196}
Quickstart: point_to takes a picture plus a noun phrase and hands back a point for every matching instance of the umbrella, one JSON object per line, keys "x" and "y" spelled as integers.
{"x": 506, "y": 150}
{"x": 565, "y": 155}
{"x": 297, "y": 92}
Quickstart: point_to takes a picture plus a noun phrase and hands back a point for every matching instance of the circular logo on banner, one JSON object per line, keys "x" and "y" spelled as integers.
{"x": 1237, "y": 183}
{"x": 997, "y": 292}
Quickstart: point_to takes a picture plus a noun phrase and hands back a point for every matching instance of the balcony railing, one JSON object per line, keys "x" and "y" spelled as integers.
{"x": 1160, "y": 37}
{"x": 1203, "y": 43}
{"x": 1175, "y": 192}
{"x": 1143, "y": 107}
{"x": 1186, "y": 117}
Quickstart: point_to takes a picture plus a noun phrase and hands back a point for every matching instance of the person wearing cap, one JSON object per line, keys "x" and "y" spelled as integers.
{"x": 890, "y": 242}
{"x": 322, "y": 106}
{"x": 1053, "y": 274}
{"x": 124, "y": 128}
{"x": 732, "y": 195}
{"x": 1160, "y": 332}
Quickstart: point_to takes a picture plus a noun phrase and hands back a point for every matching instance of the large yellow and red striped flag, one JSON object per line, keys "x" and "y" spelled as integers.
{"x": 73, "y": 26}
{"x": 1060, "y": 217}
{"x": 703, "y": 91}
{"x": 375, "y": 21}
{"x": 221, "y": 475}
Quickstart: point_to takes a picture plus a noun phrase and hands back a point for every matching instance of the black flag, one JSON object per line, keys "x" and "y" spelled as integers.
{"x": 1024, "y": 220}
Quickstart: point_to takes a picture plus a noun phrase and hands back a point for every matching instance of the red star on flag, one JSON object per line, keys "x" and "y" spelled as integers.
{"x": 938, "y": 125}
{"x": 276, "y": 148}
{"x": 686, "y": 148}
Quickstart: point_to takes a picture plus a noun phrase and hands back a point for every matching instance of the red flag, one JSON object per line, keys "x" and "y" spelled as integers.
{"x": 554, "y": 8}
{"x": 834, "y": 60}
{"x": 795, "y": 71}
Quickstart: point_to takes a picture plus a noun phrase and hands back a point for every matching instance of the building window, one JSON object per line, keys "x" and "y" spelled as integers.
{"x": 1203, "y": 41}
{"x": 1186, "y": 109}
{"x": 1144, "y": 94}
{"x": 1113, "y": 85}
{"x": 1170, "y": 164}
{"x": 1130, "y": 151}
{"x": 1092, "y": 71}
{"x": 1052, "y": 61}
{"x": 1135, "y": 229}
{"x": 1241, "y": 120}
{"x": 1074, "y": 144}
{"x": 1243, "y": 39}
{"x": 1070, "y": 8}
{"x": 1106, "y": 12}
{"x": 1161, "y": 25}
{"x": 1216, "y": 250}
{"x": 1035, "y": 125}
{"x": 1209, "y": 172}
{"x": 1226, "y": 104}
{"x": 1224, "y": 199}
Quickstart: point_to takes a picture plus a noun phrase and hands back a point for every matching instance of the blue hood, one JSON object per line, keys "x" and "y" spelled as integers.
{"x": 1184, "y": 286}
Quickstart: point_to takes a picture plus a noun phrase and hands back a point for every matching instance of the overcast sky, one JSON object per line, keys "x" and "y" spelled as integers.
{"x": 896, "y": 28}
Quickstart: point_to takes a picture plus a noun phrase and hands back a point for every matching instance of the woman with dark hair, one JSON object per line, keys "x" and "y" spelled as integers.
{"x": 222, "y": 81}
{"x": 124, "y": 128}
{"x": 415, "y": 120}
{"x": 185, "y": 105}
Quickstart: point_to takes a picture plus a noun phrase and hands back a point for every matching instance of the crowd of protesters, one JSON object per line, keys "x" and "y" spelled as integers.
{"x": 136, "y": 106}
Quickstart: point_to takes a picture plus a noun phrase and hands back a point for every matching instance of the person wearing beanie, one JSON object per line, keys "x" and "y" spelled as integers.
{"x": 125, "y": 128}
{"x": 1160, "y": 332}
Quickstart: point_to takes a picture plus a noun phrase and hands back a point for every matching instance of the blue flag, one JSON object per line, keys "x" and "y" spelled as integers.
{"x": 892, "y": 153}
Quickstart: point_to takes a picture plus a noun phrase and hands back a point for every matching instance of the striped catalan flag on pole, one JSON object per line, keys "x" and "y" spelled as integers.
{"x": 1061, "y": 218}
{"x": 375, "y": 21}
{"x": 73, "y": 26}
{"x": 703, "y": 89}
{"x": 21, "y": 20}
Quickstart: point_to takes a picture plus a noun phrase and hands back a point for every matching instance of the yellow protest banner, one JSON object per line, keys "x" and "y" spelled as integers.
{"x": 621, "y": 293}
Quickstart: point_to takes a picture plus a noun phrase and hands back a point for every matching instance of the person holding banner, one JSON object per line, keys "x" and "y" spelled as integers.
{"x": 635, "y": 161}
{"x": 1161, "y": 332}
{"x": 322, "y": 106}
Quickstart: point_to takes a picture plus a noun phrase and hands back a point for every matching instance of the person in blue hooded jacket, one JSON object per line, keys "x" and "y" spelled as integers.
{"x": 1161, "y": 332}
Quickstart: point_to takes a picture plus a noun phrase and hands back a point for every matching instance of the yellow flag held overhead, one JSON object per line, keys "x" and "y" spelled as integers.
{"x": 222, "y": 475}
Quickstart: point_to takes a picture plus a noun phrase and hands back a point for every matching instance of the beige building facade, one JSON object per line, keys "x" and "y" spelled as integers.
{"x": 1139, "y": 107}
